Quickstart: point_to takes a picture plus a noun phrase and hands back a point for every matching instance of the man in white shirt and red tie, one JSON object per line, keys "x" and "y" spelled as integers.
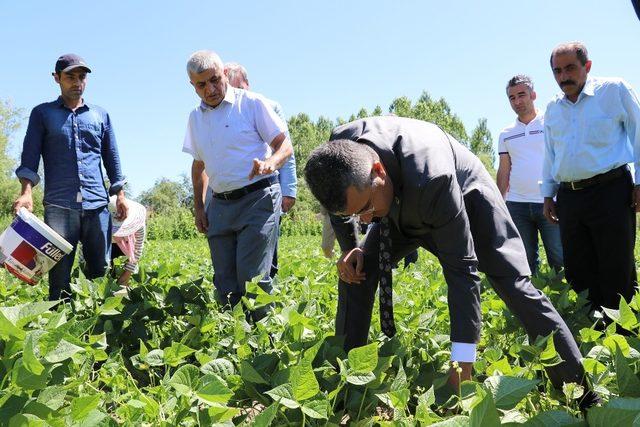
{"x": 592, "y": 132}
{"x": 521, "y": 148}
{"x": 238, "y": 143}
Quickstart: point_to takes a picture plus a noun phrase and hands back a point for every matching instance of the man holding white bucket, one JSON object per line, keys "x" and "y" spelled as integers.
{"x": 74, "y": 140}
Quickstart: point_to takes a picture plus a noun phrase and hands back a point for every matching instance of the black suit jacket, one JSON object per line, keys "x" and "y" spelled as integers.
{"x": 448, "y": 203}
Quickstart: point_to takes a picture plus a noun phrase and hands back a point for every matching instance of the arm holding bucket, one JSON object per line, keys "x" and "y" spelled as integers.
{"x": 25, "y": 200}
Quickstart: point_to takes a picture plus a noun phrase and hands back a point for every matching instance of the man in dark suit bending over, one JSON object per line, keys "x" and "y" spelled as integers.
{"x": 424, "y": 188}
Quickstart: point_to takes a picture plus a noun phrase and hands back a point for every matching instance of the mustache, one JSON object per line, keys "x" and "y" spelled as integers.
{"x": 567, "y": 83}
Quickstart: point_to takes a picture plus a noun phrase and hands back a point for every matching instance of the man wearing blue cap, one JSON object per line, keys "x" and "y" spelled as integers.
{"x": 74, "y": 140}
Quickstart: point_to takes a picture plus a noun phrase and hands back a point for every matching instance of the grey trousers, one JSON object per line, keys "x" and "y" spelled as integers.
{"x": 527, "y": 303}
{"x": 242, "y": 235}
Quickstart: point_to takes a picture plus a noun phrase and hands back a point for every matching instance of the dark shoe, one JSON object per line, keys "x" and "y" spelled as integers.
{"x": 589, "y": 399}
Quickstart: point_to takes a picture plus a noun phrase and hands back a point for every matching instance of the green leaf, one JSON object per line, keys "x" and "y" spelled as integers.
{"x": 83, "y": 405}
{"x": 627, "y": 319}
{"x": 155, "y": 358}
{"x": 215, "y": 390}
{"x": 249, "y": 374}
{"x": 613, "y": 341}
{"x": 9, "y": 330}
{"x": 20, "y": 315}
{"x": 266, "y": 417}
{"x": 549, "y": 356}
{"x": 95, "y": 418}
{"x": 185, "y": 380}
{"x": 52, "y": 397}
{"x": 628, "y": 382}
{"x": 361, "y": 379}
{"x": 508, "y": 391}
{"x": 221, "y": 367}
{"x": 108, "y": 308}
{"x": 143, "y": 349}
{"x": 175, "y": 354}
{"x": 398, "y": 399}
{"x": 484, "y": 413}
{"x": 457, "y": 421}
{"x": 589, "y": 335}
{"x": 283, "y": 394}
{"x": 26, "y": 420}
{"x": 27, "y": 380}
{"x": 63, "y": 351}
{"x": 400, "y": 381}
{"x": 608, "y": 416}
{"x": 222, "y": 414}
{"x": 423, "y": 410}
{"x": 593, "y": 366}
{"x": 613, "y": 314}
{"x": 29, "y": 359}
{"x": 317, "y": 409}
{"x": 554, "y": 418}
{"x": 363, "y": 360}
{"x": 304, "y": 382}
{"x": 572, "y": 391}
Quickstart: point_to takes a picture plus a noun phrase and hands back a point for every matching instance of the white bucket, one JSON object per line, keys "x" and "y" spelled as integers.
{"x": 29, "y": 247}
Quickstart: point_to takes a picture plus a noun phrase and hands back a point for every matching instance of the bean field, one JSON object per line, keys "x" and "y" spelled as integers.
{"x": 166, "y": 355}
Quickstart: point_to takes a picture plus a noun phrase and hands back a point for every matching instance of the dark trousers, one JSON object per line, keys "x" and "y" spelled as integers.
{"x": 538, "y": 316}
{"x": 598, "y": 232}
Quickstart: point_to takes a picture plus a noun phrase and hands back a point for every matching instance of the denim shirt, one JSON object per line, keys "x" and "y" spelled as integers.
{"x": 73, "y": 146}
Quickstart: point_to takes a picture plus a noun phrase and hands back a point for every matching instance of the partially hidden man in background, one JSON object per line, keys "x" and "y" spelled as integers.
{"x": 238, "y": 78}
{"x": 521, "y": 150}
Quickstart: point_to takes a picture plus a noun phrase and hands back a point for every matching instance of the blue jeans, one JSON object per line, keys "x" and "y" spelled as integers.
{"x": 92, "y": 227}
{"x": 529, "y": 220}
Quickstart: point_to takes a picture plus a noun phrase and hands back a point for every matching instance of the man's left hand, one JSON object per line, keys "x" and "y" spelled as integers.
{"x": 456, "y": 378}
{"x": 261, "y": 167}
{"x": 287, "y": 203}
{"x": 635, "y": 198}
{"x": 122, "y": 207}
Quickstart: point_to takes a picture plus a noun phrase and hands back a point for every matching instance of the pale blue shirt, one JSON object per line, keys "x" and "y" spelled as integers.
{"x": 597, "y": 133}
{"x": 228, "y": 137}
{"x": 288, "y": 179}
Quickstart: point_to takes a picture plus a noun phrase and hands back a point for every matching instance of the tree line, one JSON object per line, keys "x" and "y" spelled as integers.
{"x": 170, "y": 201}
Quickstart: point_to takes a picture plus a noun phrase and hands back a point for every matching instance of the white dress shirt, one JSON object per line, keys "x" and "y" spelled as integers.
{"x": 228, "y": 137}
{"x": 597, "y": 133}
{"x": 525, "y": 146}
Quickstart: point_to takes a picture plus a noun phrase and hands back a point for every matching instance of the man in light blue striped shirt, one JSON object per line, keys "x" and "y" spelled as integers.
{"x": 592, "y": 132}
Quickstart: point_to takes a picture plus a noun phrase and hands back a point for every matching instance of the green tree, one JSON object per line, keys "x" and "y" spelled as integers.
{"x": 481, "y": 143}
{"x": 9, "y": 185}
{"x": 167, "y": 196}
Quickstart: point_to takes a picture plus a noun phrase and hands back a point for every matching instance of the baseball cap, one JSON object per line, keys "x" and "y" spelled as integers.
{"x": 69, "y": 61}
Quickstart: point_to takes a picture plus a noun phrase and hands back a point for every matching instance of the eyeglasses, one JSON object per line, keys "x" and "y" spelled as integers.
{"x": 368, "y": 209}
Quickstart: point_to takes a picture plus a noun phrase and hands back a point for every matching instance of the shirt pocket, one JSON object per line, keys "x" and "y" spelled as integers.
{"x": 91, "y": 135}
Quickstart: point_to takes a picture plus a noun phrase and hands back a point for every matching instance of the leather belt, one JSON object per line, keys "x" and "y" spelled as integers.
{"x": 594, "y": 180}
{"x": 243, "y": 191}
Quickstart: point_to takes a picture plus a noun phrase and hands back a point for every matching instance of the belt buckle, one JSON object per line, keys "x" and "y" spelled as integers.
{"x": 573, "y": 186}
{"x": 225, "y": 195}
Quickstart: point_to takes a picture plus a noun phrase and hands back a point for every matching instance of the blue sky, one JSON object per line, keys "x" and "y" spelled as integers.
{"x": 323, "y": 58}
